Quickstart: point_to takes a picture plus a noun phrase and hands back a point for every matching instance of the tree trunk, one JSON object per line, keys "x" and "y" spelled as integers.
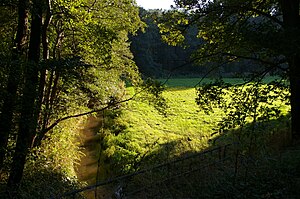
{"x": 291, "y": 21}
{"x": 43, "y": 75}
{"x": 6, "y": 116}
{"x": 28, "y": 125}
{"x": 294, "y": 65}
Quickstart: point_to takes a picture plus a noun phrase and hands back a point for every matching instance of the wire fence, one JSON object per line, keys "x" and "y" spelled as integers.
{"x": 185, "y": 177}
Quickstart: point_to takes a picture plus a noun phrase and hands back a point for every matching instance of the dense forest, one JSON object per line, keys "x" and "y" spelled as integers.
{"x": 97, "y": 82}
{"x": 155, "y": 58}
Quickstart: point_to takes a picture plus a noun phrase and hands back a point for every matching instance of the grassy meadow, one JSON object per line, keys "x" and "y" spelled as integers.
{"x": 148, "y": 137}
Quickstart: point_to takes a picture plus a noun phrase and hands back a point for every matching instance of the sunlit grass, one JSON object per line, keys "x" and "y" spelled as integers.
{"x": 149, "y": 134}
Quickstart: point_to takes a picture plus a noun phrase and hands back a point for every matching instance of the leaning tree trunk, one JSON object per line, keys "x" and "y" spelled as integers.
{"x": 291, "y": 21}
{"x": 6, "y": 116}
{"x": 27, "y": 123}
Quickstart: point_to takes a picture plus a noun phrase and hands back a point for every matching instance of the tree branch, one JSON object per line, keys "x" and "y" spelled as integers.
{"x": 276, "y": 20}
{"x": 109, "y": 105}
{"x": 272, "y": 64}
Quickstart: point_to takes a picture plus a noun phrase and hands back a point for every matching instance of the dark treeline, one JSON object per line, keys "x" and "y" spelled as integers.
{"x": 157, "y": 59}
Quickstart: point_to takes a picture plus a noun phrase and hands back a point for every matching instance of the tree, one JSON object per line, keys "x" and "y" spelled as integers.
{"x": 85, "y": 55}
{"x": 17, "y": 51}
{"x": 264, "y": 32}
{"x": 157, "y": 59}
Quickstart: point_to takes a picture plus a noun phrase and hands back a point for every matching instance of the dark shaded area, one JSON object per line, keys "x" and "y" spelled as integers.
{"x": 157, "y": 59}
{"x": 40, "y": 184}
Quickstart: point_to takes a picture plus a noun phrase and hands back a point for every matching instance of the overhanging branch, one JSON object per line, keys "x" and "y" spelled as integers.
{"x": 54, "y": 124}
{"x": 265, "y": 62}
{"x": 272, "y": 18}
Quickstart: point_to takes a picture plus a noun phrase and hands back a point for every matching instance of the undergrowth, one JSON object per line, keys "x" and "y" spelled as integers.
{"x": 49, "y": 170}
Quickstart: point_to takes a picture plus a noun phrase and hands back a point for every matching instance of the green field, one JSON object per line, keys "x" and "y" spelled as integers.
{"x": 148, "y": 136}
{"x": 192, "y": 82}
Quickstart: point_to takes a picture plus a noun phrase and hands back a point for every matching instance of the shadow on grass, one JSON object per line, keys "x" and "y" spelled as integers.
{"x": 269, "y": 168}
{"x": 211, "y": 173}
{"x": 272, "y": 135}
{"x": 263, "y": 165}
{"x": 238, "y": 171}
